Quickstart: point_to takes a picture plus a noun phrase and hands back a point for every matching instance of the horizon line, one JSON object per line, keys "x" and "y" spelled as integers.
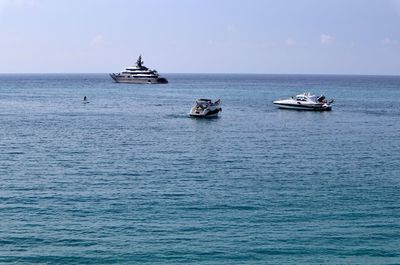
{"x": 201, "y": 73}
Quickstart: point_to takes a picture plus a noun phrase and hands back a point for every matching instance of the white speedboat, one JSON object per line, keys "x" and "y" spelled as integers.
{"x": 206, "y": 108}
{"x": 305, "y": 101}
{"x": 138, "y": 74}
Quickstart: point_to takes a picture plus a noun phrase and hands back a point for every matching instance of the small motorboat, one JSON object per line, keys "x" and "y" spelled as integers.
{"x": 305, "y": 101}
{"x": 206, "y": 108}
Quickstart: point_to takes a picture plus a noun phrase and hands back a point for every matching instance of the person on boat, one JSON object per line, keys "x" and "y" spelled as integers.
{"x": 84, "y": 98}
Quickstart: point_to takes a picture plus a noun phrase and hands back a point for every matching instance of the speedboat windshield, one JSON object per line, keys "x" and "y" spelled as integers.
{"x": 204, "y": 100}
{"x": 205, "y": 103}
{"x": 306, "y": 97}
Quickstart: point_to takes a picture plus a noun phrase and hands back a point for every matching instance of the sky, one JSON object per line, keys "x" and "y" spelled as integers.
{"x": 201, "y": 36}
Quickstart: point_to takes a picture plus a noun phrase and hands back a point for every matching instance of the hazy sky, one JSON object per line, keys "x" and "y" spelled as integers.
{"x": 206, "y": 36}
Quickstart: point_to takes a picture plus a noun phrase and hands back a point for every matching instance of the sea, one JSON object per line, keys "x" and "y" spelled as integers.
{"x": 130, "y": 178}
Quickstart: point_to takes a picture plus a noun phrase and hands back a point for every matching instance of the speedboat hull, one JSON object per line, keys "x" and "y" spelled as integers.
{"x": 118, "y": 78}
{"x": 303, "y": 106}
{"x": 204, "y": 114}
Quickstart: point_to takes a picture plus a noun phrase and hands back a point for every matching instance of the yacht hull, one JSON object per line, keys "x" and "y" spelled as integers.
{"x": 138, "y": 80}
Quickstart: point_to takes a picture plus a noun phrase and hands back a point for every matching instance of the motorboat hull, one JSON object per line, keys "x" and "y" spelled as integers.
{"x": 299, "y": 106}
{"x": 138, "y": 80}
{"x": 202, "y": 114}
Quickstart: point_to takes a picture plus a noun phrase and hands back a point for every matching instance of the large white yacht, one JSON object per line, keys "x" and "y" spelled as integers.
{"x": 138, "y": 74}
{"x": 305, "y": 101}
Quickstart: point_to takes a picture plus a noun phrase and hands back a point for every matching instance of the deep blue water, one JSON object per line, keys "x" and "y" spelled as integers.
{"x": 130, "y": 179}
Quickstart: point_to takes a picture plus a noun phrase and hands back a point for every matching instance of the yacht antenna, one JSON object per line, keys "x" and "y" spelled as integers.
{"x": 139, "y": 62}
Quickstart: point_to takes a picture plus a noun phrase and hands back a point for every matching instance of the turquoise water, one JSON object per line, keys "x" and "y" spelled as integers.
{"x": 130, "y": 179}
